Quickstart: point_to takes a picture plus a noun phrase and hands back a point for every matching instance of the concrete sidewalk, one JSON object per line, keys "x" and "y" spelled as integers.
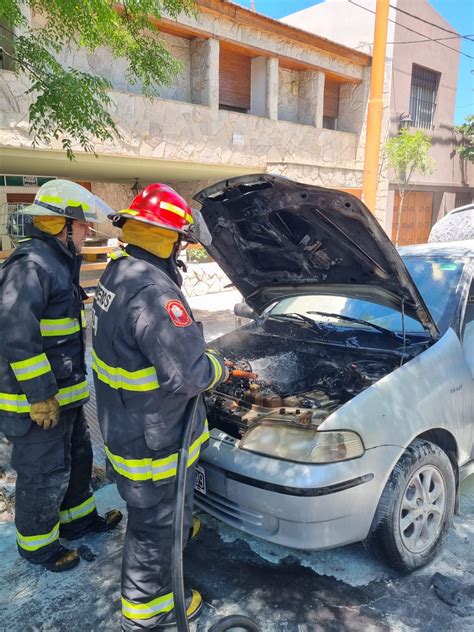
{"x": 284, "y": 590}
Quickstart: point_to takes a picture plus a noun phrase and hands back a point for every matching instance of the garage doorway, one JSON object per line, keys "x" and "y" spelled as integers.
{"x": 416, "y": 217}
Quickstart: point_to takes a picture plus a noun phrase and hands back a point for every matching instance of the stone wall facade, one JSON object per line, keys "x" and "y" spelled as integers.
{"x": 287, "y": 101}
{"x": 205, "y": 278}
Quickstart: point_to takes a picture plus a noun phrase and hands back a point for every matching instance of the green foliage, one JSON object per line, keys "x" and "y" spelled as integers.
{"x": 466, "y": 149}
{"x": 71, "y": 105}
{"x": 197, "y": 255}
{"x": 408, "y": 154}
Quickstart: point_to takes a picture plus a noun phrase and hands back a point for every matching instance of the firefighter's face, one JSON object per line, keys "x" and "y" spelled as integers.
{"x": 80, "y": 230}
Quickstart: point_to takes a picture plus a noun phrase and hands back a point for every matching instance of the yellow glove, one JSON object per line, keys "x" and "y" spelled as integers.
{"x": 45, "y": 413}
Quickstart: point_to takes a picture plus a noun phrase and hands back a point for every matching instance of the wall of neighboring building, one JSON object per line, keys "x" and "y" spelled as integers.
{"x": 330, "y": 19}
{"x": 450, "y": 172}
{"x": 339, "y": 21}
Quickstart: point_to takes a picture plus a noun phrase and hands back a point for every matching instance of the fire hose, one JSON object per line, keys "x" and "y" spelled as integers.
{"x": 227, "y": 623}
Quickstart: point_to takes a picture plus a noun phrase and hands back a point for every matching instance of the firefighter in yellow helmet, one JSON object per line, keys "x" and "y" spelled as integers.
{"x": 149, "y": 361}
{"x": 42, "y": 378}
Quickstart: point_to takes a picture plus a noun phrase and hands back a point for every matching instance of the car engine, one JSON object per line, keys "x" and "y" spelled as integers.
{"x": 285, "y": 388}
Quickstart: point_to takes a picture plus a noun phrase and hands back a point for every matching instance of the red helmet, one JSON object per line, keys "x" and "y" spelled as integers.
{"x": 159, "y": 205}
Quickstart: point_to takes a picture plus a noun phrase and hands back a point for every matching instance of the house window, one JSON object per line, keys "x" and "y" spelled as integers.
{"x": 424, "y": 86}
{"x": 234, "y": 80}
{"x": 6, "y": 46}
{"x": 331, "y": 104}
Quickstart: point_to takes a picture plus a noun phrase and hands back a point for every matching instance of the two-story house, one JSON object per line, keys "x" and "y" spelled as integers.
{"x": 254, "y": 95}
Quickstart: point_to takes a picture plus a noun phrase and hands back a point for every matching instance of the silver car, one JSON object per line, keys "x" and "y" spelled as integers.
{"x": 351, "y": 412}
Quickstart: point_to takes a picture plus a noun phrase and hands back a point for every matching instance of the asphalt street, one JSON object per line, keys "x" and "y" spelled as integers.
{"x": 284, "y": 590}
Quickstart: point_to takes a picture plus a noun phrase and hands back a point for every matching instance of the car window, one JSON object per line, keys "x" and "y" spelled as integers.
{"x": 437, "y": 280}
{"x": 352, "y": 307}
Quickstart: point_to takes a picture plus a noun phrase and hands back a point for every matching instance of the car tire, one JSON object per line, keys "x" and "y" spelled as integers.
{"x": 415, "y": 510}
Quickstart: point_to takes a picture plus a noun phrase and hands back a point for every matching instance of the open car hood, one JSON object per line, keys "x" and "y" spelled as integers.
{"x": 274, "y": 237}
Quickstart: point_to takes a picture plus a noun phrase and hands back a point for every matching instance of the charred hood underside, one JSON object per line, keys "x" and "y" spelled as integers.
{"x": 274, "y": 237}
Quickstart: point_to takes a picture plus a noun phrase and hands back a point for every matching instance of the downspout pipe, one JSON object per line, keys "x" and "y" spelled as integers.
{"x": 375, "y": 109}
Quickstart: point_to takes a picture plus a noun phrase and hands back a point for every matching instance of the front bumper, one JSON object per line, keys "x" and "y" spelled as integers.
{"x": 297, "y": 505}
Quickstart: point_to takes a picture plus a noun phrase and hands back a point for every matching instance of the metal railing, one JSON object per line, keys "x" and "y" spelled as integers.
{"x": 13, "y": 224}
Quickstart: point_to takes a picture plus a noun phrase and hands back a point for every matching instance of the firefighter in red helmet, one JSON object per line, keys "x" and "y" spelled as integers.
{"x": 149, "y": 360}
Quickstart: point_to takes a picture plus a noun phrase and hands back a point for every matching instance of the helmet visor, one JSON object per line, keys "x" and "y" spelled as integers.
{"x": 102, "y": 211}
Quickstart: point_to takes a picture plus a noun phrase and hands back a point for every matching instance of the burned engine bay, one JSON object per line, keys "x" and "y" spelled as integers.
{"x": 287, "y": 384}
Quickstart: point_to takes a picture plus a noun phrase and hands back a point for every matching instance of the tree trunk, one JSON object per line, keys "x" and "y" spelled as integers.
{"x": 399, "y": 219}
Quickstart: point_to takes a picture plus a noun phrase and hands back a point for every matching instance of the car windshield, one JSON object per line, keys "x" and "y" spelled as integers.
{"x": 437, "y": 279}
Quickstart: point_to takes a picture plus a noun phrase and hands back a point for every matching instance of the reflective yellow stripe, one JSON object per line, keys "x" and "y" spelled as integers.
{"x": 155, "y": 469}
{"x": 14, "y": 403}
{"x": 128, "y": 211}
{"x": 116, "y": 377}
{"x": 167, "y": 206}
{"x": 85, "y": 207}
{"x": 35, "y": 542}
{"x": 149, "y": 609}
{"x": 83, "y": 319}
{"x": 31, "y": 367}
{"x": 59, "y": 326}
{"x": 118, "y": 254}
{"x": 70, "y": 394}
{"x": 217, "y": 370}
{"x": 51, "y": 199}
{"x": 79, "y": 511}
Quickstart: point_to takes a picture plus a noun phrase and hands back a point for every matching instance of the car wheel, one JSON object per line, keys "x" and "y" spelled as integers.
{"x": 415, "y": 510}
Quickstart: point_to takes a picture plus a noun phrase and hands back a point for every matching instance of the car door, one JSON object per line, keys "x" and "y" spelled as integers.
{"x": 468, "y": 348}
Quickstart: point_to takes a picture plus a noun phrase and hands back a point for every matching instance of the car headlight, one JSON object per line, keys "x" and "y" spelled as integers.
{"x": 305, "y": 445}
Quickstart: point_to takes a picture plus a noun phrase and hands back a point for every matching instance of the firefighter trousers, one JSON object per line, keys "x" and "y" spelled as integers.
{"x": 146, "y": 563}
{"x": 53, "y": 486}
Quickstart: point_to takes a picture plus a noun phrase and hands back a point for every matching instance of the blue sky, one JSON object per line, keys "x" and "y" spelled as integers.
{"x": 460, "y": 13}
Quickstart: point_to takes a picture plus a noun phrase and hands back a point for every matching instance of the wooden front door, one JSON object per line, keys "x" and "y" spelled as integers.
{"x": 415, "y": 223}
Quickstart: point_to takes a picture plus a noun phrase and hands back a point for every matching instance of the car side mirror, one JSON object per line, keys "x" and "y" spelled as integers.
{"x": 242, "y": 310}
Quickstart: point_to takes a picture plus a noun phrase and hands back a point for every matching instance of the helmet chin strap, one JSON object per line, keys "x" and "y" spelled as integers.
{"x": 174, "y": 255}
{"x": 69, "y": 240}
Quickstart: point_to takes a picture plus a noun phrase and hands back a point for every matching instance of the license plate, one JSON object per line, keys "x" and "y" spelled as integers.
{"x": 200, "y": 479}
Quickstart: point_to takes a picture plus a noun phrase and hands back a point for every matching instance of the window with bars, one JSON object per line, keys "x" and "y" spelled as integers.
{"x": 424, "y": 86}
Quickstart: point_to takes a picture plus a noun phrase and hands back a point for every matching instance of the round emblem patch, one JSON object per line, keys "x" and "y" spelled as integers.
{"x": 178, "y": 314}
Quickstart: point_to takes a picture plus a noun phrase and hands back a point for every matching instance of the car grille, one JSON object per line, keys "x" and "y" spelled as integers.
{"x": 236, "y": 515}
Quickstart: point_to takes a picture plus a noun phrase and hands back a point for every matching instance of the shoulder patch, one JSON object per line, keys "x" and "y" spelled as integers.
{"x": 178, "y": 314}
{"x": 103, "y": 297}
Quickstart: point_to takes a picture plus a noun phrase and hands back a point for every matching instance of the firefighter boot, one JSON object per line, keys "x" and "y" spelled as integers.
{"x": 194, "y": 531}
{"x": 99, "y": 524}
{"x": 61, "y": 560}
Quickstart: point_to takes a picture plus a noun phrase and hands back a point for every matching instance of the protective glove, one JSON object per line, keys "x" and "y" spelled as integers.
{"x": 226, "y": 373}
{"x": 45, "y": 413}
{"x": 227, "y": 363}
